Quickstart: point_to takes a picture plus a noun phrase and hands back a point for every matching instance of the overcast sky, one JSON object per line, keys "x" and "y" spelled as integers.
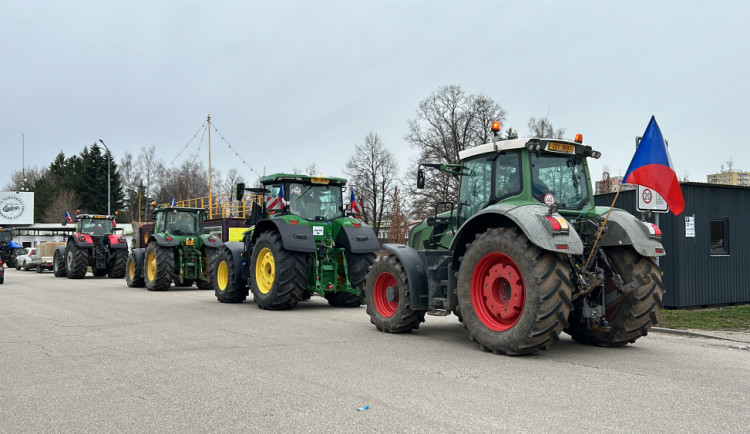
{"x": 290, "y": 83}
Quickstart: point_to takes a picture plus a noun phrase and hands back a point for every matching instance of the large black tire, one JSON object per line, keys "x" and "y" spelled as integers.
{"x": 278, "y": 275}
{"x": 58, "y": 264}
{"x": 76, "y": 261}
{"x": 158, "y": 267}
{"x": 388, "y": 296}
{"x": 227, "y": 290}
{"x": 514, "y": 297}
{"x": 119, "y": 263}
{"x": 634, "y": 314}
{"x": 358, "y": 265}
{"x": 134, "y": 274}
{"x": 208, "y": 259}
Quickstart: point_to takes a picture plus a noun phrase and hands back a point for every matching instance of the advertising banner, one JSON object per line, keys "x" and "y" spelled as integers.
{"x": 16, "y": 208}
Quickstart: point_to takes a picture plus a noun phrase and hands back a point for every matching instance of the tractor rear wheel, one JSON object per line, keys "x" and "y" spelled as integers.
{"x": 634, "y": 314}
{"x": 208, "y": 260}
{"x": 159, "y": 268}
{"x": 58, "y": 264}
{"x": 119, "y": 263}
{"x": 76, "y": 260}
{"x": 278, "y": 275}
{"x": 388, "y": 293}
{"x": 514, "y": 297}
{"x": 133, "y": 275}
{"x": 358, "y": 265}
{"x": 225, "y": 287}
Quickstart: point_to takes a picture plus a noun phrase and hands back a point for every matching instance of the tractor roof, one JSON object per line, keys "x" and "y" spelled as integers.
{"x": 180, "y": 209}
{"x": 305, "y": 179}
{"x": 547, "y": 145}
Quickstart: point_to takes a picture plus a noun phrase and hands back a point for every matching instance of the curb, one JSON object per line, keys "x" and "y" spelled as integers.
{"x": 697, "y": 334}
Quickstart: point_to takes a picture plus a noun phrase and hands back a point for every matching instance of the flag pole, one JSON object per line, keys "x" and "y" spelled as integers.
{"x": 601, "y": 228}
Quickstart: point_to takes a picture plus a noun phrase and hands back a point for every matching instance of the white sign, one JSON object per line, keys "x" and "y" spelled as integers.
{"x": 690, "y": 226}
{"x": 16, "y": 208}
{"x": 649, "y": 200}
{"x": 318, "y": 230}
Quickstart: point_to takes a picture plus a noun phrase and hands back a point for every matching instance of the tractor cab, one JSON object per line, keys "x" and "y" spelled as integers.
{"x": 308, "y": 197}
{"x": 180, "y": 221}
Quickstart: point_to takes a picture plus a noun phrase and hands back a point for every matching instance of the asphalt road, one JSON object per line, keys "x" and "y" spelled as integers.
{"x": 93, "y": 355}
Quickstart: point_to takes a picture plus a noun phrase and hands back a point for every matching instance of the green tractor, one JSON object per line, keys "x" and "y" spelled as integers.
{"x": 521, "y": 257}
{"x": 300, "y": 242}
{"x": 177, "y": 251}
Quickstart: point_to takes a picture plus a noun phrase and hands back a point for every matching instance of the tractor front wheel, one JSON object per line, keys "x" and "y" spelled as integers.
{"x": 134, "y": 274}
{"x": 119, "y": 262}
{"x": 76, "y": 260}
{"x": 514, "y": 297}
{"x": 358, "y": 265}
{"x": 225, "y": 287}
{"x": 208, "y": 258}
{"x": 159, "y": 267}
{"x": 388, "y": 293}
{"x": 58, "y": 264}
{"x": 632, "y": 315}
{"x": 278, "y": 275}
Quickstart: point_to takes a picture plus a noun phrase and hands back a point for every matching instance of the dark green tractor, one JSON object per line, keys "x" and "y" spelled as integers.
{"x": 520, "y": 258}
{"x": 300, "y": 242}
{"x": 176, "y": 252}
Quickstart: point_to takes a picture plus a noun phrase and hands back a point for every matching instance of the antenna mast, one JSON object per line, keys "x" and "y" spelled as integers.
{"x": 210, "y": 190}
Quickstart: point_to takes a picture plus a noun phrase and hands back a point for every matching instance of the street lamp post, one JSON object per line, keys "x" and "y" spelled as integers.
{"x": 109, "y": 195}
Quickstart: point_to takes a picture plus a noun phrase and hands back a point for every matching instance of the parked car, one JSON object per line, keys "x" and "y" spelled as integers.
{"x": 26, "y": 259}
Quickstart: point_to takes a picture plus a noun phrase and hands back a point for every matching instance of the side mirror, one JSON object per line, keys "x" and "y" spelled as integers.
{"x": 240, "y": 190}
{"x": 420, "y": 178}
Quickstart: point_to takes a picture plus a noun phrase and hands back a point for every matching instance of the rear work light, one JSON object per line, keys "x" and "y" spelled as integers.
{"x": 653, "y": 230}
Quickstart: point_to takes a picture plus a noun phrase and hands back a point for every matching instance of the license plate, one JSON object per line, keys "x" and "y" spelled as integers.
{"x": 190, "y": 242}
{"x": 562, "y": 147}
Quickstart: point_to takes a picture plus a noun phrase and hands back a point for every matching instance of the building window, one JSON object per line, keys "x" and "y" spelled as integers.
{"x": 719, "y": 232}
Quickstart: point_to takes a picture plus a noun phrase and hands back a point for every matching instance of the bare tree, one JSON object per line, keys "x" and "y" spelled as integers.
{"x": 310, "y": 170}
{"x": 399, "y": 226}
{"x": 23, "y": 180}
{"x": 543, "y": 128}
{"x": 64, "y": 200}
{"x": 373, "y": 172}
{"x": 447, "y": 122}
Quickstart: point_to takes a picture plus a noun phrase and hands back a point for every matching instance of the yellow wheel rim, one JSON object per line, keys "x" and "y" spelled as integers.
{"x": 151, "y": 266}
{"x": 131, "y": 270}
{"x": 265, "y": 270}
{"x": 222, "y": 275}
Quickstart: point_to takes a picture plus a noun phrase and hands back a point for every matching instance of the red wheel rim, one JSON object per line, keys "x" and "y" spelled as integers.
{"x": 498, "y": 293}
{"x": 382, "y": 283}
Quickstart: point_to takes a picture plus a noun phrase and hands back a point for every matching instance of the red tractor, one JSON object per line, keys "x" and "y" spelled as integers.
{"x": 94, "y": 244}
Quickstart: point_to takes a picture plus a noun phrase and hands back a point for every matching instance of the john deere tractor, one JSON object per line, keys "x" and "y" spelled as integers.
{"x": 523, "y": 256}
{"x": 300, "y": 242}
{"x": 93, "y": 244}
{"x": 177, "y": 251}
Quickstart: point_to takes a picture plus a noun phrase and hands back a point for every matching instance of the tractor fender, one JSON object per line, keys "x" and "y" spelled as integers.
{"x": 216, "y": 243}
{"x": 358, "y": 240}
{"x": 237, "y": 248}
{"x": 82, "y": 240}
{"x": 137, "y": 255}
{"x": 296, "y": 238}
{"x": 624, "y": 229}
{"x": 528, "y": 218}
{"x": 114, "y": 242}
{"x": 416, "y": 274}
{"x": 163, "y": 242}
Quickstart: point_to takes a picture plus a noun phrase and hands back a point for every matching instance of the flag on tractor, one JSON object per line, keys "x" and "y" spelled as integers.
{"x": 651, "y": 167}
{"x": 68, "y": 218}
{"x": 355, "y": 207}
{"x": 276, "y": 202}
{"x": 172, "y": 202}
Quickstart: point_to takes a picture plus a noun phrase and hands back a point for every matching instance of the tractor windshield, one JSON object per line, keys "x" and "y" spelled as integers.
{"x": 488, "y": 179}
{"x": 563, "y": 177}
{"x": 95, "y": 227}
{"x": 5, "y": 236}
{"x": 315, "y": 202}
{"x": 182, "y": 223}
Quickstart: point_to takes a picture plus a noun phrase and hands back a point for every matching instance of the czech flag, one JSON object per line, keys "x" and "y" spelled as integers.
{"x": 68, "y": 218}
{"x": 651, "y": 167}
{"x": 276, "y": 202}
{"x": 355, "y": 207}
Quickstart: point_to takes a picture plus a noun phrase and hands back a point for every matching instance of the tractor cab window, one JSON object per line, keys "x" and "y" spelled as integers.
{"x": 562, "y": 176}
{"x": 315, "y": 202}
{"x": 5, "y": 236}
{"x": 508, "y": 175}
{"x": 476, "y": 186}
{"x": 96, "y": 227}
{"x": 182, "y": 223}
